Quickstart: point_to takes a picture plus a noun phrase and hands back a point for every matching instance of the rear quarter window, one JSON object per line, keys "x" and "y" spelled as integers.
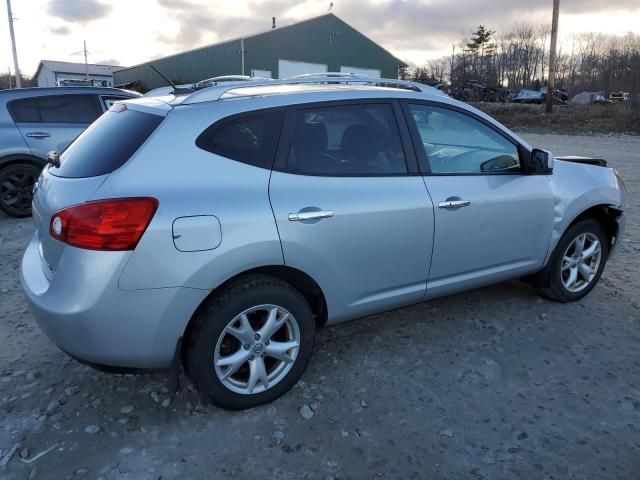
{"x": 249, "y": 138}
{"x": 107, "y": 144}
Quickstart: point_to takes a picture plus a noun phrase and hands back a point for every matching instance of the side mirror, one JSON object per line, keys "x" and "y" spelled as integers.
{"x": 502, "y": 163}
{"x": 53, "y": 159}
{"x": 541, "y": 161}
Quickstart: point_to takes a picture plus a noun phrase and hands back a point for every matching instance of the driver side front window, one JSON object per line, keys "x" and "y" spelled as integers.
{"x": 455, "y": 143}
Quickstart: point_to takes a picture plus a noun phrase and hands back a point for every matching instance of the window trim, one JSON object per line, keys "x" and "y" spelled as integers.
{"x": 423, "y": 161}
{"x": 248, "y": 113}
{"x": 94, "y": 99}
{"x": 288, "y": 128}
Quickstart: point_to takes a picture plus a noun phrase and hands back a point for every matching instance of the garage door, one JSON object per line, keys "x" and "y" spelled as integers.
{"x": 288, "y": 68}
{"x": 260, "y": 73}
{"x": 372, "y": 72}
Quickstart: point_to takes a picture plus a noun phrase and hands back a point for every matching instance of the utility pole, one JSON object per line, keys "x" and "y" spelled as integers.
{"x": 9, "y": 76}
{"x": 86, "y": 63}
{"x": 552, "y": 55}
{"x": 453, "y": 59}
{"x": 242, "y": 52}
{"x": 13, "y": 46}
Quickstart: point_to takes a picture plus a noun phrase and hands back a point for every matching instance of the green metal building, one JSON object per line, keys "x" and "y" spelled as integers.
{"x": 323, "y": 43}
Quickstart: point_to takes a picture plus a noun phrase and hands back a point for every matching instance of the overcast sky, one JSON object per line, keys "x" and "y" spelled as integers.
{"x": 127, "y": 32}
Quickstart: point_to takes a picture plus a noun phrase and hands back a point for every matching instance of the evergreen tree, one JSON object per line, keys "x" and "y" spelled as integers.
{"x": 481, "y": 47}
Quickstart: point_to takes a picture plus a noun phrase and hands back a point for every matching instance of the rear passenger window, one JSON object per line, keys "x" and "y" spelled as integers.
{"x": 25, "y": 111}
{"x": 56, "y": 109}
{"x": 249, "y": 138}
{"x": 346, "y": 140}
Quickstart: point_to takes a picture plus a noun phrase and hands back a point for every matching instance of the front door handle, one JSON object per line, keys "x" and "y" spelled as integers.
{"x": 454, "y": 203}
{"x": 38, "y": 135}
{"x": 312, "y": 215}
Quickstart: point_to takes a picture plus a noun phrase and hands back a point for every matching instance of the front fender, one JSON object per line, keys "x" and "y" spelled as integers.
{"x": 577, "y": 188}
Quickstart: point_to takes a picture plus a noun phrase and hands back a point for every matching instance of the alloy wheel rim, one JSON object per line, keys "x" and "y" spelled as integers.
{"x": 581, "y": 262}
{"x": 257, "y": 349}
{"x": 16, "y": 191}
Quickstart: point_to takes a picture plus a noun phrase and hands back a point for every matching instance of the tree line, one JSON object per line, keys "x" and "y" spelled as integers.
{"x": 9, "y": 81}
{"x": 519, "y": 59}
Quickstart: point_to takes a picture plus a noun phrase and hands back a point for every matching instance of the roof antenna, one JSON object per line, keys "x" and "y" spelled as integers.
{"x": 176, "y": 89}
{"x": 331, "y": 7}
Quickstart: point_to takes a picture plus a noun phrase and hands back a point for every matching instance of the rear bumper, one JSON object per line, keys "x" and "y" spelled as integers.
{"x": 83, "y": 311}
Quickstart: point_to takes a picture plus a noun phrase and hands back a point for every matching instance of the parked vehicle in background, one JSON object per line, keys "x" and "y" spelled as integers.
{"x": 589, "y": 98}
{"x": 539, "y": 96}
{"x": 528, "y": 96}
{"x": 219, "y": 228}
{"x": 599, "y": 98}
{"x": 34, "y": 121}
{"x": 619, "y": 96}
{"x": 479, "y": 91}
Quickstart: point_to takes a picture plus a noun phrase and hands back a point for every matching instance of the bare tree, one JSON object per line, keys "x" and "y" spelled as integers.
{"x": 517, "y": 59}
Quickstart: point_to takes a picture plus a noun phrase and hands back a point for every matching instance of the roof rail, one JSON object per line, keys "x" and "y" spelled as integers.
{"x": 329, "y": 74}
{"x": 216, "y": 92}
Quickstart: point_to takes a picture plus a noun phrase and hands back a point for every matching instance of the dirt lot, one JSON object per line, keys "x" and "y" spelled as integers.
{"x": 494, "y": 383}
{"x": 567, "y": 119}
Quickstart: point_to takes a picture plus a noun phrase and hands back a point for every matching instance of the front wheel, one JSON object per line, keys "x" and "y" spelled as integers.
{"x": 16, "y": 188}
{"x": 577, "y": 262}
{"x": 250, "y": 343}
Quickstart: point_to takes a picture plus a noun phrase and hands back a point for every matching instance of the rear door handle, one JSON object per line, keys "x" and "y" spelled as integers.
{"x": 313, "y": 215}
{"x": 37, "y": 135}
{"x": 454, "y": 203}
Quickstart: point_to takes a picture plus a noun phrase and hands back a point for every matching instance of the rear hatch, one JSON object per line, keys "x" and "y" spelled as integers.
{"x": 101, "y": 149}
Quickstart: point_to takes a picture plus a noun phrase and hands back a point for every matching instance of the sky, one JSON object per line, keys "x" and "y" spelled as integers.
{"x": 127, "y": 32}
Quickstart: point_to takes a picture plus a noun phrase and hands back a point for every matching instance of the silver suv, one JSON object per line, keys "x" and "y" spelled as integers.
{"x": 34, "y": 121}
{"x": 218, "y": 229}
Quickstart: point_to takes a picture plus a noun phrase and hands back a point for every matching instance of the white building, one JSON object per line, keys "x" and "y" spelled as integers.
{"x": 51, "y": 73}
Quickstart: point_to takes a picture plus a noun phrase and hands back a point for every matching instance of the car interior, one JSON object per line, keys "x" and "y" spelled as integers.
{"x": 346, "y": 141}
{"x": 456, "y": 143}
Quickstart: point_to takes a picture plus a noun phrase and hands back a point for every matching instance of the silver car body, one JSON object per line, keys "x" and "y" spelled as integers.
{"x": 387, "y": 244}
{"x": 32, "y": 141}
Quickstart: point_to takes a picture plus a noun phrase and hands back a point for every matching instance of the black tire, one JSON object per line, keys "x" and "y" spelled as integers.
{"x": 550, "y": 284}
{"x": 212, "y": 318}
{"x": 16, "y": 188}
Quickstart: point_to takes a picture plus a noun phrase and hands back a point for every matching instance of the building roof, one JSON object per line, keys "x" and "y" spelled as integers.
{"x": 257, "y": 34}
{"x": 77, "y": 68}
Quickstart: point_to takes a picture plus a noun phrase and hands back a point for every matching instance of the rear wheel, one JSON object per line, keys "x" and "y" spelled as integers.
{"x": 250, "y": 343}
{"x": 577, "y": 262}
{"x": 16, "y": 188}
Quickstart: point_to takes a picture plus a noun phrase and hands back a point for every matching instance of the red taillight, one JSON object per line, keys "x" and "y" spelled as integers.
{"x": 114, "y": 224}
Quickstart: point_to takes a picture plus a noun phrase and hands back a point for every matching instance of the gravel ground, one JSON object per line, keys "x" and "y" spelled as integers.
{"x": 494, "y": 383}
